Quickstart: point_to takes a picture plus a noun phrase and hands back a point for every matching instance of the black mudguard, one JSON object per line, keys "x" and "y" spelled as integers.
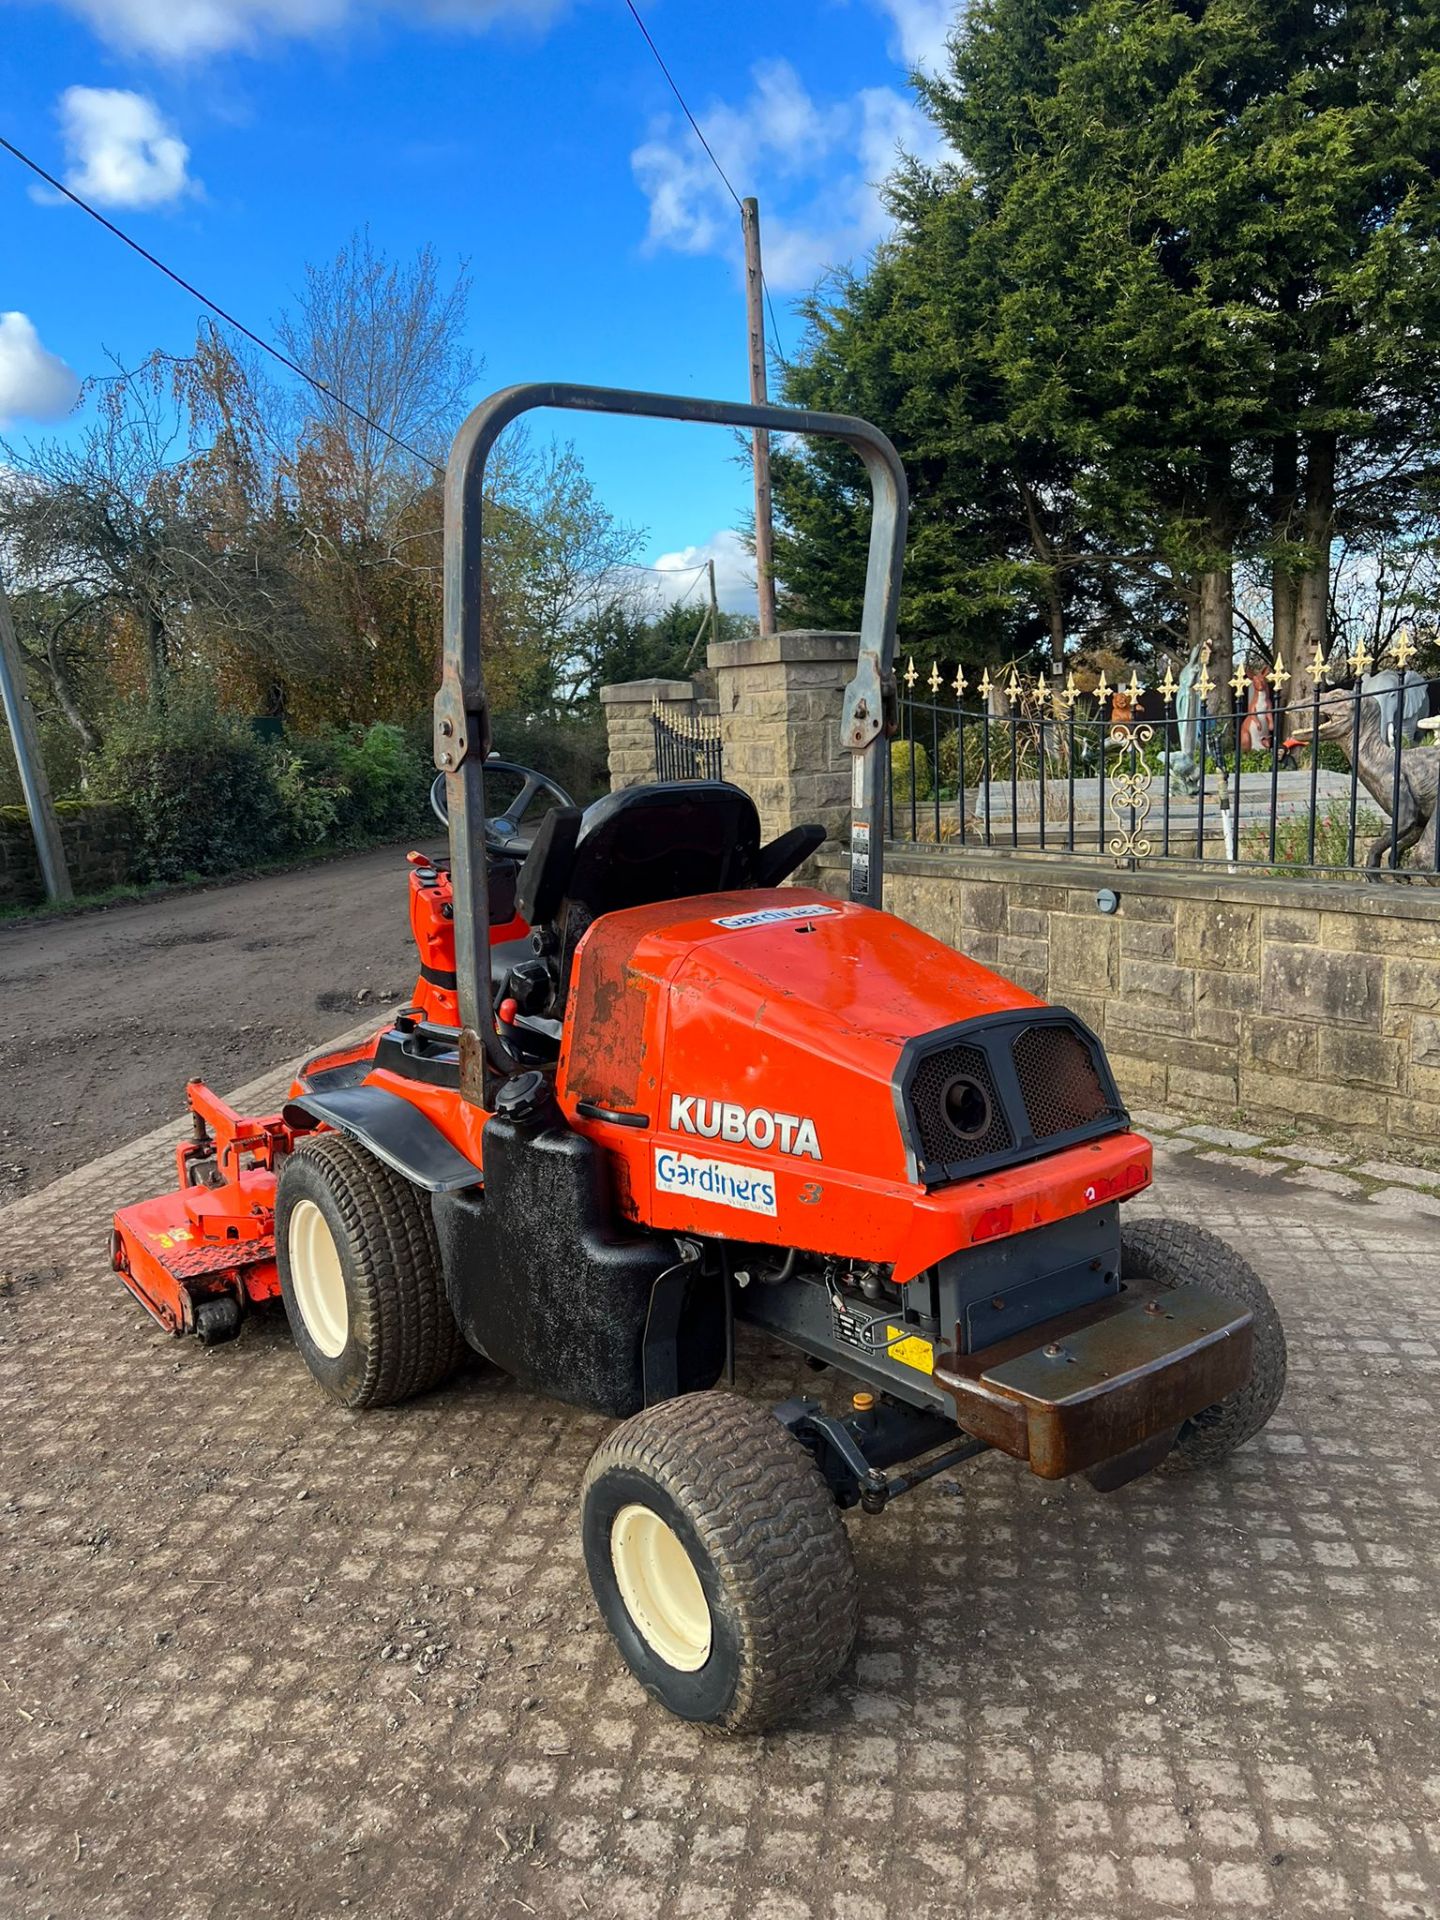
{"x": 394, "y": 1132}
{"x": 547, "y": 1283}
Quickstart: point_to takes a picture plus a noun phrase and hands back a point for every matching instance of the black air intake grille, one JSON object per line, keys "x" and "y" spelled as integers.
{"x": 1058, "y": 1081}
{"x": 957, "y": 1107}
{"x": 1001, "y": 1089}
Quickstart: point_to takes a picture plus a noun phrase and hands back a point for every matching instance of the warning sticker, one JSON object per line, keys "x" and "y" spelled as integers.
{"x": 850, "y": 1323}
{"x": 910, "y": 1350}
{"x": 859, "y": 858}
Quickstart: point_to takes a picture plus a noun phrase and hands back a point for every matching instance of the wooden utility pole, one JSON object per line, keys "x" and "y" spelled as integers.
{"x": 26, "y": 741}
{"x": 755, "y": 313}
{"x": 710, "y": 620}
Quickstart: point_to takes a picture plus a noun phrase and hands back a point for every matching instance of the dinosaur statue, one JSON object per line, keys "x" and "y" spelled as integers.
{"x": 1415, "y": 825}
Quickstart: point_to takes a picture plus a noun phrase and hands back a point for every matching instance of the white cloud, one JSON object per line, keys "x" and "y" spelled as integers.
{"x": 122, "y": 153}
{"x": 182, "y": 29}
{"x": 35, "y": 384}
{"x": 818, "y": 170}
{"x": 677, "y": 578}
{"x": 922, "y": 28}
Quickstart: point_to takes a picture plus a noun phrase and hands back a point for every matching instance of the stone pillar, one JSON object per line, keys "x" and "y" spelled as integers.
{"x": 629, "y": 734}
{"x": 780, "y": 698}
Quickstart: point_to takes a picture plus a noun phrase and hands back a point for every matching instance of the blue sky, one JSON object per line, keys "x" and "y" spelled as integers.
{"x": 239, "y": 138}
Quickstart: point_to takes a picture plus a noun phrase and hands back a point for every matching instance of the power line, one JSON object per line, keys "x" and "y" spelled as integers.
{"x": 695, "y": 124}
{"x": 284, "y": 359}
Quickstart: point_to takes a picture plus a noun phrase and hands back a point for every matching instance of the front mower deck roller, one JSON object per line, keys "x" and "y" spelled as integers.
{"x": 360, "y": 1275}
{"x": 719, "y": 1561}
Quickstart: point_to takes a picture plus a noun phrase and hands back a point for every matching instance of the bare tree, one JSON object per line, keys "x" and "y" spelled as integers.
{"x": 386, "y": 338}
{"x": 155, "y": 516}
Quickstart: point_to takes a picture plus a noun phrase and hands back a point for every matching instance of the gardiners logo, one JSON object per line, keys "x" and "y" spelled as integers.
{"x": 744, "y": 1126}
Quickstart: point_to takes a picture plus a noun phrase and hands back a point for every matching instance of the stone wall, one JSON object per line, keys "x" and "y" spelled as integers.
{"x": 779, "y": 702}
{"x": 780, "y": 699}
{"x": 1277, "y": 1002}
{"x": 97, "y": 851}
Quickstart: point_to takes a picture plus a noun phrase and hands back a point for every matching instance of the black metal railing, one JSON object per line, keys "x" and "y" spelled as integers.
{"x": 687, "y": 745}
{"x": 1340, "y": 779}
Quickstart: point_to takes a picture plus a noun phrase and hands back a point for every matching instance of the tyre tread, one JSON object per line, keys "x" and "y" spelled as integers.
{"x": 413, "y": 1342}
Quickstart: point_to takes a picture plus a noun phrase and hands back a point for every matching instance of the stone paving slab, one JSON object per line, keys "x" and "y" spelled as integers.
{"x": 263, "y": 1657}
{"x": 1344, "y": 1171}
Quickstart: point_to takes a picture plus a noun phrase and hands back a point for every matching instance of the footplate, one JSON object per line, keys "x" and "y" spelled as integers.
{"x": 1105, "y": 1379}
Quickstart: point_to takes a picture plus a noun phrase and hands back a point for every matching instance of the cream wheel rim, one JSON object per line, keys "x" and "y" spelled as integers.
{"x": 318, "y": 1279}
{"x": 660, "y": 1588}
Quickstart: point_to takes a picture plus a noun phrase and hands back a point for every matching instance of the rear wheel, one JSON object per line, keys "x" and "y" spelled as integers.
{"x": 1177, "y": 1255}
{"x": 360, "y": 1275}
{"x": 719, "y": 1561}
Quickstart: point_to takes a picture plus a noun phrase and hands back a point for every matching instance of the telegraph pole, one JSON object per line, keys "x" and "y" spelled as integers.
{"x": 755, "y": 313}
{"x": 44, "y": 823}
{"x": 710, "y": 621}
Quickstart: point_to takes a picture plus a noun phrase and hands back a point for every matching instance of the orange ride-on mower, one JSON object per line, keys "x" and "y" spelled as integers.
{"x": 646, "y": 1091}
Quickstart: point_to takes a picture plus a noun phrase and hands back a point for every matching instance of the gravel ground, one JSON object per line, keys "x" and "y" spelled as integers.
{"x": 108, "y": 1014}
{"x": 266, "y": 1658}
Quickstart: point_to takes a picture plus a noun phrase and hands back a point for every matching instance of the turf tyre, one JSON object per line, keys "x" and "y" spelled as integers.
{"x": 1177, "y": 1254}
{"x": 762, "y": 1532}
{"x": 399, "y": 1335}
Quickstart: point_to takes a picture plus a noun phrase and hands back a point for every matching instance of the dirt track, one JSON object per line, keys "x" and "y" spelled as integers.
{"x": 108, "y": 1014}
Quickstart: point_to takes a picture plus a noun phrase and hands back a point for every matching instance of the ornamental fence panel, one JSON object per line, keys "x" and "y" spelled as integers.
{"x": 687, "y": 745}
{"x": 1339, "y": 781}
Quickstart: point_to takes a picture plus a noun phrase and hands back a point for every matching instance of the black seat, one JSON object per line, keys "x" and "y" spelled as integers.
{"x": 664, "y": 841}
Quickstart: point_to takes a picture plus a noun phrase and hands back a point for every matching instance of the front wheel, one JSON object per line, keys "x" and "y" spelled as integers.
{"x": 360, "y": 1275}
{"x": 1176, "y": 1254}
{"x": 719, "y": 1561}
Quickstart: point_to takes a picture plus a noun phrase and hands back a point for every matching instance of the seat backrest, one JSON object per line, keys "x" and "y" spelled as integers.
{"x": 663, "y": 841}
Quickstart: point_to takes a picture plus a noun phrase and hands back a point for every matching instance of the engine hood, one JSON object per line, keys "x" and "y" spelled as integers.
{"x": 742, "y": 1054}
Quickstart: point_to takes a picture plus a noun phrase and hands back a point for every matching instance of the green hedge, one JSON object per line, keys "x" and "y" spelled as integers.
{"x": 208, "y": 797}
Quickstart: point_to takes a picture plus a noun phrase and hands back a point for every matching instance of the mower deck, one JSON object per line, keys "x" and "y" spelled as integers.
{"x": 162, "y": 1253}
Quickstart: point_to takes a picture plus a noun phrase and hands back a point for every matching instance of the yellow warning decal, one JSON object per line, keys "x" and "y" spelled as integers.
{"x": 910, "y": 1350}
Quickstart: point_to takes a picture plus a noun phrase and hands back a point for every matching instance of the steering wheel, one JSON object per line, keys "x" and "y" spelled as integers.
{"x": 502, "y": 834}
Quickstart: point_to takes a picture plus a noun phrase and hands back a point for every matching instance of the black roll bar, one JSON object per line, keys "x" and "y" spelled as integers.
{"x": 462, "y": 718}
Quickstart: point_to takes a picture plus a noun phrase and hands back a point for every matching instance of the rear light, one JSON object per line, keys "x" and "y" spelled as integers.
{"x": 993, "y": 1223}
{"x": 1131, "y": 1177}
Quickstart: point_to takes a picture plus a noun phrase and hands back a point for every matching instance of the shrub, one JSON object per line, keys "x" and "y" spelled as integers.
{"x": 571, "y": 750}
{"x": 200, "y": 787}
{"x": 909, "y": 772}
{"x": 1332, "y": 837}
{"x": 312, "y": 798}
{"x": 384, "y": 782}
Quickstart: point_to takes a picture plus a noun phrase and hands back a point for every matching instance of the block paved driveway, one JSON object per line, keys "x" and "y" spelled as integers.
{"x": 263, "y": 1657}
